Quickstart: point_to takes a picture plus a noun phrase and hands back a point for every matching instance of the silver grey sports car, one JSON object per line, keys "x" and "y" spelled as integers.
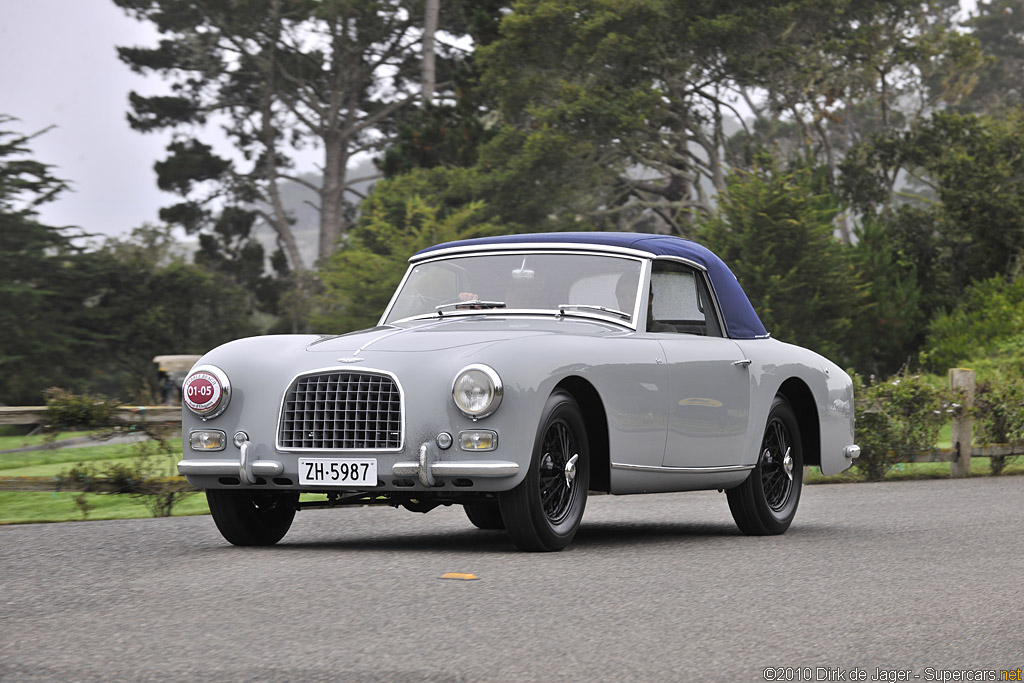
{"x": 511, "y": 375}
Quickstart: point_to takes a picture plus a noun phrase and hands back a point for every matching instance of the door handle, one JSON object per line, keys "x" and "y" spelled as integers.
{"x": 741, "y": 363}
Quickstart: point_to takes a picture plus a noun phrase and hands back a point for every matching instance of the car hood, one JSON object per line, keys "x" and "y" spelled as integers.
{"x": 438, "y": 335}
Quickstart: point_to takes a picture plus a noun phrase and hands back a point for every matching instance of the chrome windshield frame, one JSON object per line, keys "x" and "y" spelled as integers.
{"x": 528, "y": 249}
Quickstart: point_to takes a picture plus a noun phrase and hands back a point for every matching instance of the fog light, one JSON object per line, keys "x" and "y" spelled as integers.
{"x": 478, "y": 440}
{"x": 207, "y": 440}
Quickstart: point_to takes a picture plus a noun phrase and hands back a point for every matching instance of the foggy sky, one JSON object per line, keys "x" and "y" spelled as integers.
{"x": 58, "y": 66}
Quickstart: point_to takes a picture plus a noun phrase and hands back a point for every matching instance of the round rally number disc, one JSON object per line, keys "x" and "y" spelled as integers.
{"x": 202, "y": 392}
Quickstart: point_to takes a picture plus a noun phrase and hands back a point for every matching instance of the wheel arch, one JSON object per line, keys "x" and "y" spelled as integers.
{"x": 596, "y": 420}
{"x": 800, "y": 398}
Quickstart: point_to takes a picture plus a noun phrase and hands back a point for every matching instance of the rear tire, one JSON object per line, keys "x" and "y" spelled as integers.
{"x": 544, "y": 511}
{"x": 766, "y": 502}
{"x": 485, "y": 515}
{"x": 246, "y": 517}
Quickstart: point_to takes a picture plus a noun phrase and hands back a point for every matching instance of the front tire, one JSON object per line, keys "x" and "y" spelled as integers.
{"x": 246, "y": 517}
{"x": 544, "y": 511}
{"x": 766, "y": 502}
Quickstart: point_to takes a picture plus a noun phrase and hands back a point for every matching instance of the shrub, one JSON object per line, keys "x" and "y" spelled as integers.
{"x": 66, "y": 410}
{"x": 148, "y": 477}
{"x": 987, "y": 322}
{"x": 895, "y": 420}
{"x": 999, "y": 414}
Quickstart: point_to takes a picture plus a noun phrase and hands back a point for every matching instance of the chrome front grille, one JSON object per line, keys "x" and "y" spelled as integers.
{"x": 342, "y": 411}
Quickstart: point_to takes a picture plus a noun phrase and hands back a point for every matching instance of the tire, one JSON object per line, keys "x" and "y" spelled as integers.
{"x": 544, "y": 511}
{"x": 485, "y": 515}
{"x": 246, "y": 517}
{"x": 766, "y": 502}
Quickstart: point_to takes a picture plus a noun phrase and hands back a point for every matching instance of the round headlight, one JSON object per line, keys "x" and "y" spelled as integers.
{"x": 477, "y": 391}
{"x": 206, "y": 391}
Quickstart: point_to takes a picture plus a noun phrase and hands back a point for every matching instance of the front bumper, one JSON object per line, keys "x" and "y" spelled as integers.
{"x": 427, "y": 470}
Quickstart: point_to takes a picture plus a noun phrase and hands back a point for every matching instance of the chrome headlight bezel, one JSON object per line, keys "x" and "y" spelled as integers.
{"x": 218, "y": 403}
{"x": 482, "y": 378}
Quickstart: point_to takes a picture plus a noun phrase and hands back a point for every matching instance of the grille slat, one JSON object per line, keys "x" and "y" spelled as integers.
{"x": 342, "y": 411}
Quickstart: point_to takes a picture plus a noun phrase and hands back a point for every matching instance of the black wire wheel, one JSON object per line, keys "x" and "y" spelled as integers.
{"x": 544, "y": 511}
{"x": 766, "y": 502}
{"x": 246, "y": 517}
{"x": 485, "y": 515}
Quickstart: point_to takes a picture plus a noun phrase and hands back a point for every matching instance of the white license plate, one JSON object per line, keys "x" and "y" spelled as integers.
{"x": 338, "y": 471}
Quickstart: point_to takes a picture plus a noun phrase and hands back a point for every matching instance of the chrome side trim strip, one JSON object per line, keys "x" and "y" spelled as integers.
{"x": 269, "y": 468}
{"x": 682, "y": 470}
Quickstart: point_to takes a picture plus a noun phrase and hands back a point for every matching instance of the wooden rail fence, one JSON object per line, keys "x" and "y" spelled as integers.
{"x": 33, "y": 415}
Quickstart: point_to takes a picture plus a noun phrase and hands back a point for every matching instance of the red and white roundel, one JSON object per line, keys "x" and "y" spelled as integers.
{"x": 201, "y": 392}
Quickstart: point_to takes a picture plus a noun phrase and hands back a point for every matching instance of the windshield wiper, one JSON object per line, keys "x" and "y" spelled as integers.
{"x": 471, "y": 305}
{"x": 594, "y": 307}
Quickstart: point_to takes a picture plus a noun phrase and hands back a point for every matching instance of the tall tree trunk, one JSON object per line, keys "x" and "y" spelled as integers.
{"x": 332, "y": 194}
{"x": 281, "y": 223}
{"x": 428, "y": 67}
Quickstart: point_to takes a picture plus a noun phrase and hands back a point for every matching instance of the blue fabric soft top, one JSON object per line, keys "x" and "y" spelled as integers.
{"x": 741, "y": 320}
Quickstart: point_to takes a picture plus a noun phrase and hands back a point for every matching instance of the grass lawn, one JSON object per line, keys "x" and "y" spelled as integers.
{"x": 19, "y": 507}
{"x": 40, "y": 506}
{"x": 50, "y": 463}
{"x": 946, "y": 437}
{"x": 7, "y": 441}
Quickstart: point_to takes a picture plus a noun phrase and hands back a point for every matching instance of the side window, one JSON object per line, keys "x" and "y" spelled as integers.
{"x": 680, "y": 301}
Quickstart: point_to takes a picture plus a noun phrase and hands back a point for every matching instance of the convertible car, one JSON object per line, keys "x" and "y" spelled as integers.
{"x": 512, "y": 375}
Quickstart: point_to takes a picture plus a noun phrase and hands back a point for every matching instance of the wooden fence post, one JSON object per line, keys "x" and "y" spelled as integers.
{"x": 961, "y": 381}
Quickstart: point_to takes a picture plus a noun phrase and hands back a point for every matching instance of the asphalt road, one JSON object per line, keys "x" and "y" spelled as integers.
{"x": 926, "y": 577}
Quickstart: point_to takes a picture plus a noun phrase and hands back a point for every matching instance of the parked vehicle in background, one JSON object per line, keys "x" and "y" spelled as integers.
{"x": 171, "y": 372}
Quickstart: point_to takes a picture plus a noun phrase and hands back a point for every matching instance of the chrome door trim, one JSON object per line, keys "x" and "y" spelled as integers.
{"x": 682, "y": 470}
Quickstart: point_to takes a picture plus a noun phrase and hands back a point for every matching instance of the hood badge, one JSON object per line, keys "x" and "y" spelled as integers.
{"x": 350, "y": 359}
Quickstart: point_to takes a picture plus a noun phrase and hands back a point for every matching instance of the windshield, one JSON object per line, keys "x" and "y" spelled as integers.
{"x": 586, "y": 284}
